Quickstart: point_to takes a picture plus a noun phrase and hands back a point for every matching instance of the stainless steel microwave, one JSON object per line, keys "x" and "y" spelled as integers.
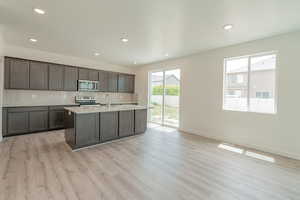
{"x": 89, "y": 86}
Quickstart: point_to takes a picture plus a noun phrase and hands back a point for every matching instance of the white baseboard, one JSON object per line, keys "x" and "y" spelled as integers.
{"x": 245, "y": 144}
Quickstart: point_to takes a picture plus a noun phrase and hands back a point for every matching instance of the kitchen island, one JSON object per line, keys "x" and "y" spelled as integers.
{"x": 86, "y": 126}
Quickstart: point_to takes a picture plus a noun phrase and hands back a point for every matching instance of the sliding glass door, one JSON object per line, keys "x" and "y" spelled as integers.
{"x": 164, "y": 97}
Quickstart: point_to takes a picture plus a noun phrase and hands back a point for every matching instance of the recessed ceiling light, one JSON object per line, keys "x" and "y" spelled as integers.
{"x": 96, "y": 54}
{"x": 228, "y": 27}
{"x": 124, "y": 40}
{"x": 32, "y": 40}
{"x": 39, "y": 11}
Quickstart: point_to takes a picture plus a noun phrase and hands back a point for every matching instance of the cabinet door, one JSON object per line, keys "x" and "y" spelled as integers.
{"x": 19, "y": 74}
{"x": 4, "y": 121}
{"x": 17, "y": 123}
{"x": 126, "y": 123}
{"x": 93, "y": 75}
{"x": 122, "y": 80}
{"x": 38, "y": 120}
{"x": 140, "y": 122}
{"x": 108, "y": 126}
{"x": 56, "y": 119}
{"x": 56, "y": 77}
{"x": 87, "y": 129}
{"x": 103, "y": 81}
{"x": 38, "y": 75}
{"x": 83, "y": 74}
{"x": 112, "y": 82}
{"x": 131, "y": 83}
{"x": 70, "y": 78}
{"x": 7, "y": 62}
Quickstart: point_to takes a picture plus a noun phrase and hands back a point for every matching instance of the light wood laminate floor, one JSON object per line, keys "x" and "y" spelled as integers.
{"x": 161, "y": 164}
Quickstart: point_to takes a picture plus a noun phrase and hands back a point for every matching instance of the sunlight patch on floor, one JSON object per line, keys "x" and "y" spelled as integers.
{"x": 231, "y": 148}
{"x": 260, "y": 156}
{"x": 247, "y": 153}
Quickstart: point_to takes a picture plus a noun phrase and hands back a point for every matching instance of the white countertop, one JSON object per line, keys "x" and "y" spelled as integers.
{"x": 39, "y": 105}
{"x": 96, "y": 109}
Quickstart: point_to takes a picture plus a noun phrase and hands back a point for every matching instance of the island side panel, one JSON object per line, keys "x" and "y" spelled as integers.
{"x": 87, "y": 129}
{"x": 70, "y": 134}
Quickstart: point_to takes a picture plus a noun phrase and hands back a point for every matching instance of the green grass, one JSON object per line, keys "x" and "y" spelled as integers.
{"x": 170, "y": 111}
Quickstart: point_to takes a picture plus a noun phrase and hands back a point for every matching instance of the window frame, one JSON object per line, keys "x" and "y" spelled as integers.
{"x": 249, "y": 57}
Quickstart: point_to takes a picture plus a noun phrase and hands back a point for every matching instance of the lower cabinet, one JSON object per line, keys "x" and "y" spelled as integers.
{"x": 23, "y": 120}
{"x": 108, "y": 126}
{"x": 56, "y": 119}
{"x": 17, "y": 123}
{"x": 4, "y": 121}
{"x": 126, "y": 123}
{"x": 38, "y": 120}
{"x": 87, "y": 127}
{"x": 140, "y": 122}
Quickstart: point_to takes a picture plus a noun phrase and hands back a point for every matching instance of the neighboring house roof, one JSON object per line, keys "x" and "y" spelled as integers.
{"x": 155, "y": 78}
{"x": 265, "y": 64}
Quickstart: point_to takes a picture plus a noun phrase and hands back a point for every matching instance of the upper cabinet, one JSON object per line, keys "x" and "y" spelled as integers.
{"x": 88, "y": 74}
{"x": 93, "y": 75}
{"x": 70, "y": 78}
{"x": 103, "y": 81}
{"x": 126, "y": 83}
{"x": 38, "y": 76}
{"x": 16, "y": 73}
{"x": 112, "y": 82}
{"x": 56, "y": 77}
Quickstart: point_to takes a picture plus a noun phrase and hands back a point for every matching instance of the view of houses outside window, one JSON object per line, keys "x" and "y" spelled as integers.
{"x": 164, "y": 97}
{"x": 250, "y": 84}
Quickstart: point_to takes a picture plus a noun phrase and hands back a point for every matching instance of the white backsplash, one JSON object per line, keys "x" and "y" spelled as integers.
{"x": 37, "y": 97}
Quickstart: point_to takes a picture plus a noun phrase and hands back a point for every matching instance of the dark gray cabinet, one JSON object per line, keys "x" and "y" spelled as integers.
{"x": 126, "y": 123}
{"x": 38, "y": 120}
{"x": 140, "y": 120}
{"x": 56, "y": 77}
{"x": 83, "y": 74}
{"x": 4, "y": 121}
{"x": 17, "y": 122}
{"x": 103, "y": 81}
{"x": 56, "y": 119}
{"x": 108, "y": 126}
{"x": 70, "y": 78}
{"x": 38, "y": 76}
{"x": 126, "y": 83}
{"x": 23, "y": 120}
{"x": 112, "y": 82}
{"x": 89, "y": 125}
{"x": 88, "y": 74}
{"x": 16, "y": 73}
{"x": 93, "y": 75}
{"x": 131, "y": 83}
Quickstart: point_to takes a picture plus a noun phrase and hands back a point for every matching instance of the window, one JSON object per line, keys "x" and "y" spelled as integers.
{"x": 250, "y": 83}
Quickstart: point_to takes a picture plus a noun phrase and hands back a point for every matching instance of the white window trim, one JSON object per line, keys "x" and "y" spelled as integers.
{"x": 249, "y": 66}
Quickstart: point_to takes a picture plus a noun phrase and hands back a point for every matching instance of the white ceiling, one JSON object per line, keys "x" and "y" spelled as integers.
{"x": 153, "y": 27}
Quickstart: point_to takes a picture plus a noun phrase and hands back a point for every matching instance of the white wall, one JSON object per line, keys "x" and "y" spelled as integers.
{"x": 201, "y": 97}
{"x": 27, "y": 53}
